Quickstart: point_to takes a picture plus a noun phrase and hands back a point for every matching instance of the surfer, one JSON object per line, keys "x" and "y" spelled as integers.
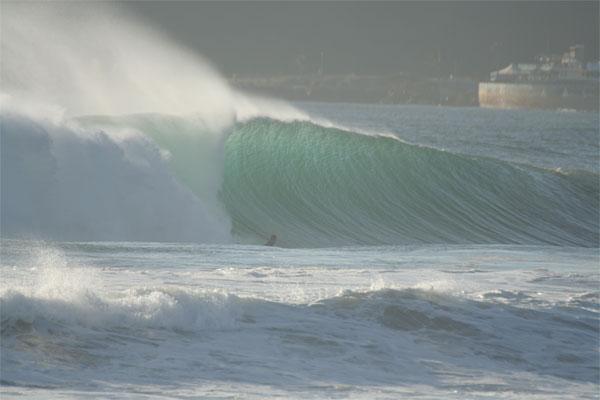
{"x": 271, "y": 241}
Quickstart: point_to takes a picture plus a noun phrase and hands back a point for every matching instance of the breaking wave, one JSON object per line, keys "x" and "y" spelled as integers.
{"x": 170, "y": 178}
{"x": 140, "y": 139}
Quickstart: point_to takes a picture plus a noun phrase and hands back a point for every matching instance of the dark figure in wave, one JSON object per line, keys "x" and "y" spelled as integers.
{"x": 271, "y": 241}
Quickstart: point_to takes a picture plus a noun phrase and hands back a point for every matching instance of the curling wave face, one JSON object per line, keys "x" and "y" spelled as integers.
{"x": 319, "y": 186}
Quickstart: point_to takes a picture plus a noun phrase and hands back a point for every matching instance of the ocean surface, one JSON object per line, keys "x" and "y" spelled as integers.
{"x": 422, "y": 252}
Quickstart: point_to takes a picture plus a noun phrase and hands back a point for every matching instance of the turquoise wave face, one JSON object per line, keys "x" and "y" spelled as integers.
{"x": 316, "y": 186}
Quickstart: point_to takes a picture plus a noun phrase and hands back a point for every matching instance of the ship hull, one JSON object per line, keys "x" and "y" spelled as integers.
{"x": 569, "y": 95}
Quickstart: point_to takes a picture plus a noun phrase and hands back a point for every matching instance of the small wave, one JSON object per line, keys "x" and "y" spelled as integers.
{"x": 74, "y": 295}
{"x": 161, "y": 308}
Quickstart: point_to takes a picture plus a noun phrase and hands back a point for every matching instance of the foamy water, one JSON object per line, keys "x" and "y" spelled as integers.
{"x": 191, "y": 320}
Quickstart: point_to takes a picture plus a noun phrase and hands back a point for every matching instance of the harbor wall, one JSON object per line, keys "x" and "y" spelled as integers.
{"x": 577, "y": 95}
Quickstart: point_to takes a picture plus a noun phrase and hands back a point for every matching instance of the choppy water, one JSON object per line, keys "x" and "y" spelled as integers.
{"x": 109, "y": 319}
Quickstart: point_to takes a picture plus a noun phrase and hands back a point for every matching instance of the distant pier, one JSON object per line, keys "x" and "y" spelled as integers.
{"x": 560, "y": 95}
{"x": 551, "y": 82}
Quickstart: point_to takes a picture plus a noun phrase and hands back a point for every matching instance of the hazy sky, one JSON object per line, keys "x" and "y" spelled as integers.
{"x": 467, "y": 38}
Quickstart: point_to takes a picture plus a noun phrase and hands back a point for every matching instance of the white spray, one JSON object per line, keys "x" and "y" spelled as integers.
{"x": 63, "y": 60}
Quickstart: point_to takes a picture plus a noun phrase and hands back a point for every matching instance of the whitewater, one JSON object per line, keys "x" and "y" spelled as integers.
{"x": 422, "y": 252}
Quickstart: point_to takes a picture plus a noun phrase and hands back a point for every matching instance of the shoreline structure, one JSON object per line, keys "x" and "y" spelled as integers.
{"x": 551, "y": 82}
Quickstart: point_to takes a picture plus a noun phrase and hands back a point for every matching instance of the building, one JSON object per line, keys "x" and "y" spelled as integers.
{"x": 552, "y": 82}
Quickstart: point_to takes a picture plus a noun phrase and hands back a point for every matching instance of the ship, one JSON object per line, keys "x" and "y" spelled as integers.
{"x": 559, "y": 82}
